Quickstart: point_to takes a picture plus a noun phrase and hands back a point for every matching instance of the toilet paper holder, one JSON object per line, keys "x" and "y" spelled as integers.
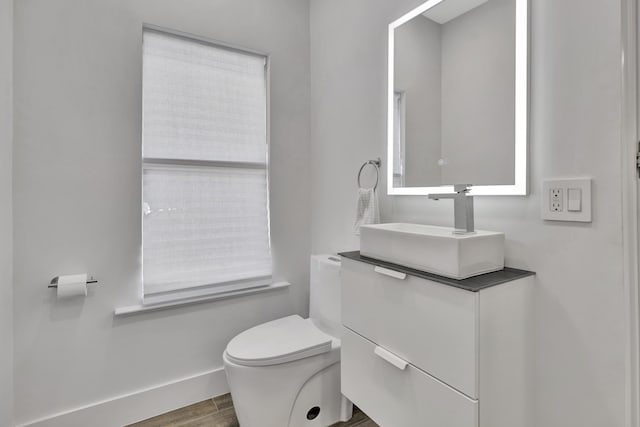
{"x": 54, "y": 281}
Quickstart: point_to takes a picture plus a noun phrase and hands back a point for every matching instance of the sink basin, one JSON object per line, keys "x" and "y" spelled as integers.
{"x": 434, "y": 249}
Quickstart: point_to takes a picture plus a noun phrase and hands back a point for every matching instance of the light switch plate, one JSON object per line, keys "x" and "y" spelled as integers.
{"x": 560, "y": 204}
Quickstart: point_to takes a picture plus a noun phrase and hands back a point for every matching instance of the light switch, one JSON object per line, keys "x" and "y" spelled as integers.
{"x": 574, "y": 200}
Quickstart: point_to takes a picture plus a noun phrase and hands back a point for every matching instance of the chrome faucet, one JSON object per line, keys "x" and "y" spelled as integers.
{"x": 462, "y": 207}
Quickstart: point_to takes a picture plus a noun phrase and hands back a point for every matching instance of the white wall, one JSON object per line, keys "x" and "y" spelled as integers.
{"x": 6, "y": 230}
{"x": 578, "y": 364}
{"x": 77, "y": 195}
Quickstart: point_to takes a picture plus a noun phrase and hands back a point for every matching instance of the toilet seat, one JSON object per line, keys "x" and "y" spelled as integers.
{"x": 279, "y": 341}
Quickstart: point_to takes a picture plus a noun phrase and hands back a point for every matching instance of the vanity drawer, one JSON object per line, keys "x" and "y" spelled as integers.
{"x": 432, "y": 326}
{"x": 395, "y": 393}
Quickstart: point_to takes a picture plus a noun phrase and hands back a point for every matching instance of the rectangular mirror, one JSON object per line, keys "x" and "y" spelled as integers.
{"x": 458, "y": 98}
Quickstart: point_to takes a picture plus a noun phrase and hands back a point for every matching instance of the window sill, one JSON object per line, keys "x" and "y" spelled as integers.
{"x": 142, "y": 308}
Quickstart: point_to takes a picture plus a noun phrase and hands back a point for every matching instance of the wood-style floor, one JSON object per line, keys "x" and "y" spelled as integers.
{"x": 219, "y": 412}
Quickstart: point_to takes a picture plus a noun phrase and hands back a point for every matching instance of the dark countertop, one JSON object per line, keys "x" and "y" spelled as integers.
{"x": 473, "y": 284}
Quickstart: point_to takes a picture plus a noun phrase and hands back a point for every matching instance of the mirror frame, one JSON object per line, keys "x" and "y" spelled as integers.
{"x": 520, "y": 187}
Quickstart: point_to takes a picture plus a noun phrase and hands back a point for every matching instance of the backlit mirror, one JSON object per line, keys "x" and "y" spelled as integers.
{"x": 458, "y": 98}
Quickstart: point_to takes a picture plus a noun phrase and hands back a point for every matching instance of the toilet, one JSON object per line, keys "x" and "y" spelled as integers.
{"x": 286, "y": 373}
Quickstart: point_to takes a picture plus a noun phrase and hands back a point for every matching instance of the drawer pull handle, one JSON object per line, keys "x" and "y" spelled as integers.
{"x": 391, "y": 358}
{"x": 390, "y": 273}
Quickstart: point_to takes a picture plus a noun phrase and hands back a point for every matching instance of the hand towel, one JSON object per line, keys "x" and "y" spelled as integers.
{"x": 367, "y": 211}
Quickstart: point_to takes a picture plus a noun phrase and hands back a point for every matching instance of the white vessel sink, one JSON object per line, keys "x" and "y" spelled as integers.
{"x": 434, "y": 249}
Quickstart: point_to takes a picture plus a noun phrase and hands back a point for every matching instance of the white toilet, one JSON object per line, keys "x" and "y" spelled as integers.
{"x": 286, "y": 373}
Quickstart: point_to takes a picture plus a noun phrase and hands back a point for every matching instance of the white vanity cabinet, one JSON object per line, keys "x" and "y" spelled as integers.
{"x": 427, "y": 352}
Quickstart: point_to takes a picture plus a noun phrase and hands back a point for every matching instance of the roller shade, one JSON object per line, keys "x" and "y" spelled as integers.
{"x": 205, "y": 174}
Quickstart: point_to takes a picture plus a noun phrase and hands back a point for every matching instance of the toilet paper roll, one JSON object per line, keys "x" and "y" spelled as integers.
{"x": 72, "y": 286}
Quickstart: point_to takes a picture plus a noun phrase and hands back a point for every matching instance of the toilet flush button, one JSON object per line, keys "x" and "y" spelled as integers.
{"x": 574, "y": 200}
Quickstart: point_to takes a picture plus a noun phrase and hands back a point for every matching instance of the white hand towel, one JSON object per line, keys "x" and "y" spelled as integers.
{"x": 367, "y": 211}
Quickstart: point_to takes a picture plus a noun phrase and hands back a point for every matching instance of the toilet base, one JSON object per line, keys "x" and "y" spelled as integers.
{"x": 320, "y": 402}
{"x": 303, "y": 393}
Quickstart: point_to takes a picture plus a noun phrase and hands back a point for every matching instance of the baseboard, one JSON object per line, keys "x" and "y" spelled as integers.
{"x": 140, "y": 405}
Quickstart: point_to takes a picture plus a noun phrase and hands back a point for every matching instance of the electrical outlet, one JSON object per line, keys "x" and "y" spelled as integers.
{"x": 566, "y": 200}
{"x": 555, "y": 200}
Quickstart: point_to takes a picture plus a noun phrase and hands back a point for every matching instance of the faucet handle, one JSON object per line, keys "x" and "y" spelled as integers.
{"x": 462, "y": 188}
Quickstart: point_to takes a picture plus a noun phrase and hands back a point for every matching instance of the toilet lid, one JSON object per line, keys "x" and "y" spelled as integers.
{"x": 279, "y": 341}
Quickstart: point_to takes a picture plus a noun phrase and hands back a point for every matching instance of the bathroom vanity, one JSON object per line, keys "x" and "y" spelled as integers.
{"x": 419, "y": 349}
{"x": 448, "y": 347}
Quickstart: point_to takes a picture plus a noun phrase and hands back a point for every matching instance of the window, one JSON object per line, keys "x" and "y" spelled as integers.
{"x": 205, "y": 170}
{"x": 399, "y": 113}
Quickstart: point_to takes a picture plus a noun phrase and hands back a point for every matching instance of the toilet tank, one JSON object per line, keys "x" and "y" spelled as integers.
{"x": 325, "y": 293}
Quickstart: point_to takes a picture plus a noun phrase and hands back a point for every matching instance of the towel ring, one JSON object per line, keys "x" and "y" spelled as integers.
{"x": 376, "y": 164}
